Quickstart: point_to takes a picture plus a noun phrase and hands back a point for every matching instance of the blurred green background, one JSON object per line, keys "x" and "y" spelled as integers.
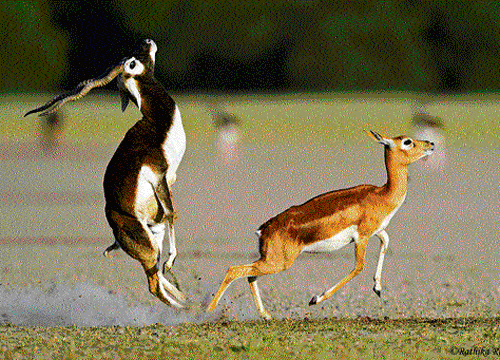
{"x": 292, "y": 69}
{"x": 240, "y": 45}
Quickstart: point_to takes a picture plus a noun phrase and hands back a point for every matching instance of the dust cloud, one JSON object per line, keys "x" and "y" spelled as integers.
{"x": 90, "y": 305}
{"x": 84, "y": 304}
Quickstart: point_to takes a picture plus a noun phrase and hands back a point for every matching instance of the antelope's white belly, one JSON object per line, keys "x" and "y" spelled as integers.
{"x": 174, "y": 146}
{"x": 336, "y": 242}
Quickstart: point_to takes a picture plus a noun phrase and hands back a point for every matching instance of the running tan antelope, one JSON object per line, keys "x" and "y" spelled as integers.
{"x": 139, "y": 176}
{"x": 332, "y": 220}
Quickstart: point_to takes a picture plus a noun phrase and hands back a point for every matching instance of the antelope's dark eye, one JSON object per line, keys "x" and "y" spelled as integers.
{"x": 132, "y": 65}
{"x": 407, "y": 142}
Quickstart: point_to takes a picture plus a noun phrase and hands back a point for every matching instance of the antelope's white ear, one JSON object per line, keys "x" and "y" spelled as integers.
{"x": 380, "y": 139}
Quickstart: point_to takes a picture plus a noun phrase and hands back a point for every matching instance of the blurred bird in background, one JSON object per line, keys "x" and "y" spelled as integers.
{"x": 228, "y": 127}
{"x": 427, "y": 126}
{"x": 51, "y": 132}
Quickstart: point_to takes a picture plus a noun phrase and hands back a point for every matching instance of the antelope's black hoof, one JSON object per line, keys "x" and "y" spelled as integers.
{"x": 314, "y": 300}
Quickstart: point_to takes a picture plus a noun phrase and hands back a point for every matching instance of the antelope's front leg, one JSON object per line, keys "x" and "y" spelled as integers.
{"x": 384, "y": 244}
{"x": 164, "y": 196}
{"x": 172, "y": 250}
{"x": 360, "y": 253}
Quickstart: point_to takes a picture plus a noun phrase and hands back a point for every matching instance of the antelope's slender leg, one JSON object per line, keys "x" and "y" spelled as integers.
{"x": 172, "y": 249}
{"x": 360, "y": 252}
{"x": 384, "y": 244}
{"x": 137, "y": 240}
{"x": 258, "y": 268}
{"x": 172, "y": 253}
{"x": 164, "y": 196}
{"x": 257, "y": 299}
{"x": 274, "y": 258}
{"x": 234, "y": 272}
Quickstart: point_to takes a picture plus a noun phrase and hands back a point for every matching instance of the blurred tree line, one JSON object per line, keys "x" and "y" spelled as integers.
{"x": 228, "y": 45}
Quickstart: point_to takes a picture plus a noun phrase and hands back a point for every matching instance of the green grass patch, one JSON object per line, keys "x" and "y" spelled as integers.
{"x": 283, "y": 339}
{"x": 317, "y": 118}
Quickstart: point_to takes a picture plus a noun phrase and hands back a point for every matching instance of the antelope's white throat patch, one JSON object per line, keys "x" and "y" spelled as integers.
{"x": 131, "y": 85}
{"x": 336, "y": 242}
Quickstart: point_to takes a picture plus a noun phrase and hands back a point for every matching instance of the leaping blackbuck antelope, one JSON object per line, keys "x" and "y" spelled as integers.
{"x": 331, "y": 221}
{"x": 139, "y": 176}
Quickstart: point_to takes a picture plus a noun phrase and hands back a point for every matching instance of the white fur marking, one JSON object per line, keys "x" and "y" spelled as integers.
{"x": 336, "y": 242}
{"x": 152, "y": 51}
{"x": 172, "y": 250}
{"x": 159, "y": 231}
{"x": 131, "y": 85}
{"x": 133, "y": 66}
{"x": 174, "y": 146}
{"x": 171, "y": 288}
{"x": 384, "y": 244}
{"x": 409, "y": 146}
{"x": 158, "y": 228}
{"x": 146, "y": 182}
{"x": 163, "y": 284}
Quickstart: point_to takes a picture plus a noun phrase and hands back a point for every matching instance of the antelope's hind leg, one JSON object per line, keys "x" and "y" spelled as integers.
{"x": 252, "y": 271}
{"x": 234, "y": 272}
{"x": 274, "y": 258}
{"x": 137, "y": 240}
{"x": 252, "y": 280}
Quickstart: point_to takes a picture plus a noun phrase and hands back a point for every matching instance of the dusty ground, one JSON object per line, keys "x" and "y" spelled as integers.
{"x": 443, "y": 259}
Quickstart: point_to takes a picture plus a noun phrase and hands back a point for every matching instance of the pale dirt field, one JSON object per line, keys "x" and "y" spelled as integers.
{"x": 442, "y": 262}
